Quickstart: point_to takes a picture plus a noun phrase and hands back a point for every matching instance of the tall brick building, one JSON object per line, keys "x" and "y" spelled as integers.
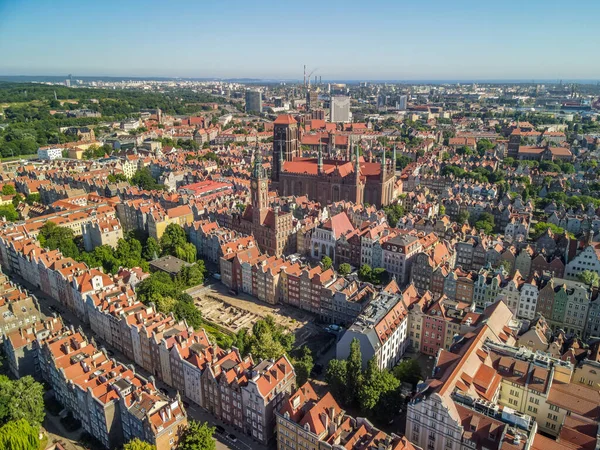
{"x": 327, "y": 180}
{"x": 272, "y": 228}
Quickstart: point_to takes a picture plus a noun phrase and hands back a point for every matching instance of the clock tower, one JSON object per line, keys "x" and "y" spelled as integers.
{"x": 259, "y": 190}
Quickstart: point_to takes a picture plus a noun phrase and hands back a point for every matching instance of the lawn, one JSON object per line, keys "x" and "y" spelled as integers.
{"x": 16, "y": 158}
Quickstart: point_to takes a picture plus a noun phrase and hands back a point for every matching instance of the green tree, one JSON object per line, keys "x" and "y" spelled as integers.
{"x": 442, "y": 210}
{"x": 21, "y": 399}
{"x": 155, "y": 287}
{"x": 344, "y": 269}
{"x": 590, "y": 278}
{"x": 336, "y": 377}
{"x": 393, "y": 213}
{"x": 269, "y": 340}
{"x": 33, "y": 198}
{"x": 364, "y": 273}
{"x": 197, "y": 436}
{"x": 187, "y": 252}
{"x": 152, "y": 249}
{"x": 142, "y": 178}
{"x": 136, "y": 444}
{"x": 192, "y": 275}
{"x": 375, "y": 384}
{"x": 8, "y": 189}
{"x": 54, "y": 237}
{"x": 9, "y": 212}
{"x": 326, "y": 262}
{"x": 354, "y": 366}
{"x": 116, "y": 177}
{"x": 485, "y": 222}
{"x": 17, "y": 198}
{"x": 408, "y": 371}
{"x": 379, "y": 276}
{"x": 185, "y": 309}
{"x": 303, "y": 365}
{"x": 541, "y": 228}
{"x": 483, "y": 146}
{"x": 173, "y": 237}
{"x": 19, "y": 435}
{"x": 463, "y": 217}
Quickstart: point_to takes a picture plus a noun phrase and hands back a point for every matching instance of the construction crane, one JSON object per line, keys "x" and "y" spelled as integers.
{"x": 307, "y": 77}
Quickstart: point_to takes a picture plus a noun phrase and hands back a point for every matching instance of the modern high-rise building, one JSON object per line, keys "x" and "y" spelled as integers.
{"x": 402, "y": 102}
{"x": 312, "y": 100}
{"x": 339, "y": 109}
{"x": 253, "y": 101}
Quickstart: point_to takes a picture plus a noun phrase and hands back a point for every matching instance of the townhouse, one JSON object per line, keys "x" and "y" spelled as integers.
{"x": 381, "y": 329}
{"x": 105, "y": 395}
{"x": 312, "y": 422}
{"x": 399, "y": 254}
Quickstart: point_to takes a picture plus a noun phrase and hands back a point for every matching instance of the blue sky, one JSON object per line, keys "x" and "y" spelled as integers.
{"x": 377, "y": 39}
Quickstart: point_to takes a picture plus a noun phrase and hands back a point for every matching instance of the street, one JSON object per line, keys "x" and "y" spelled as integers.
{"x": 195, "y": 412}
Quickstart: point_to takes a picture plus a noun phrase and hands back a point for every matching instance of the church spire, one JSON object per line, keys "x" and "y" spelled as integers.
{"x": 258, "y": 168}
{"x": 320, "y": 159}
{"x": 394, "y": 158}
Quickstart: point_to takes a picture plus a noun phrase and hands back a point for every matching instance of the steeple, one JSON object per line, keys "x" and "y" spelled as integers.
{"x": 356, "y": 162}
{"x": 320, "y": 159}
{"x": 394, "y": 160}
{"x": 257, "y": 170}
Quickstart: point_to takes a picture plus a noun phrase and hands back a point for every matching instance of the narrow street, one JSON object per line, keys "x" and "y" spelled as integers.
{"x": 194, "y": 411}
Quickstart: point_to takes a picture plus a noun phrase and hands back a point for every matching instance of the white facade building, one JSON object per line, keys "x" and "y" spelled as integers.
{"x": 381, "y": 330}
{"x": 588, "y": 259}
{"x": 49, "y": 153}
{"x": 528, "y": 301}
{"x": 340, "y": 109}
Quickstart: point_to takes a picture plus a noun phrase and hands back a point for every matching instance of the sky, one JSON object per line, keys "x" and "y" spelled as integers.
{"x": 344, "y": 40}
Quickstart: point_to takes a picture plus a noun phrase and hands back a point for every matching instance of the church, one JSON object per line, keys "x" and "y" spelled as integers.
{"x": 327, "y": 180}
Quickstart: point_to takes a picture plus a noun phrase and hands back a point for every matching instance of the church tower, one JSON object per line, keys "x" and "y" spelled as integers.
{"x": 286, "y": 142}
{"x": 259, "y": 190}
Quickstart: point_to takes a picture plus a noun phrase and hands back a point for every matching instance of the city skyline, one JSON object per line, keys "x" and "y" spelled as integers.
{"x": 393, "y": 41}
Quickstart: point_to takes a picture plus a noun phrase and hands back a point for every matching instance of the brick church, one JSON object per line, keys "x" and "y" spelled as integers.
{"x": 327, "y": 179}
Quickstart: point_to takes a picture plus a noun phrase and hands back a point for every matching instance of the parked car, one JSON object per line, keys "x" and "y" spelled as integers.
{"x": 232, "y": 437}
{"x": 219, "y": 429}
{"x": 333, "y": 329}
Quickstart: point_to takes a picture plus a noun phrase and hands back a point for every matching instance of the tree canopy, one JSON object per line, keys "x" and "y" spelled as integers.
{"x": 590, "y": 278}
{"x": 21, "y": 399}
{"x": 143, "y": 179}
{"x": 53, "y": 237}
{"x": 303, "y": 365}
{"x": 174, "y": 242}
{"x": 268, "y": 340}
{"x": 197, "y": 436}
{"x": 19, "y": 435}
{"x": 344, "y": 269}
{"x": 393, "y": 213}
{"x": 136, "y": 444}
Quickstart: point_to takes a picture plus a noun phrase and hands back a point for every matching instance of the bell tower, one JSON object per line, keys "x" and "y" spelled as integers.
{"x": 259, "y": 190}
{"x": 286, "y": 142}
